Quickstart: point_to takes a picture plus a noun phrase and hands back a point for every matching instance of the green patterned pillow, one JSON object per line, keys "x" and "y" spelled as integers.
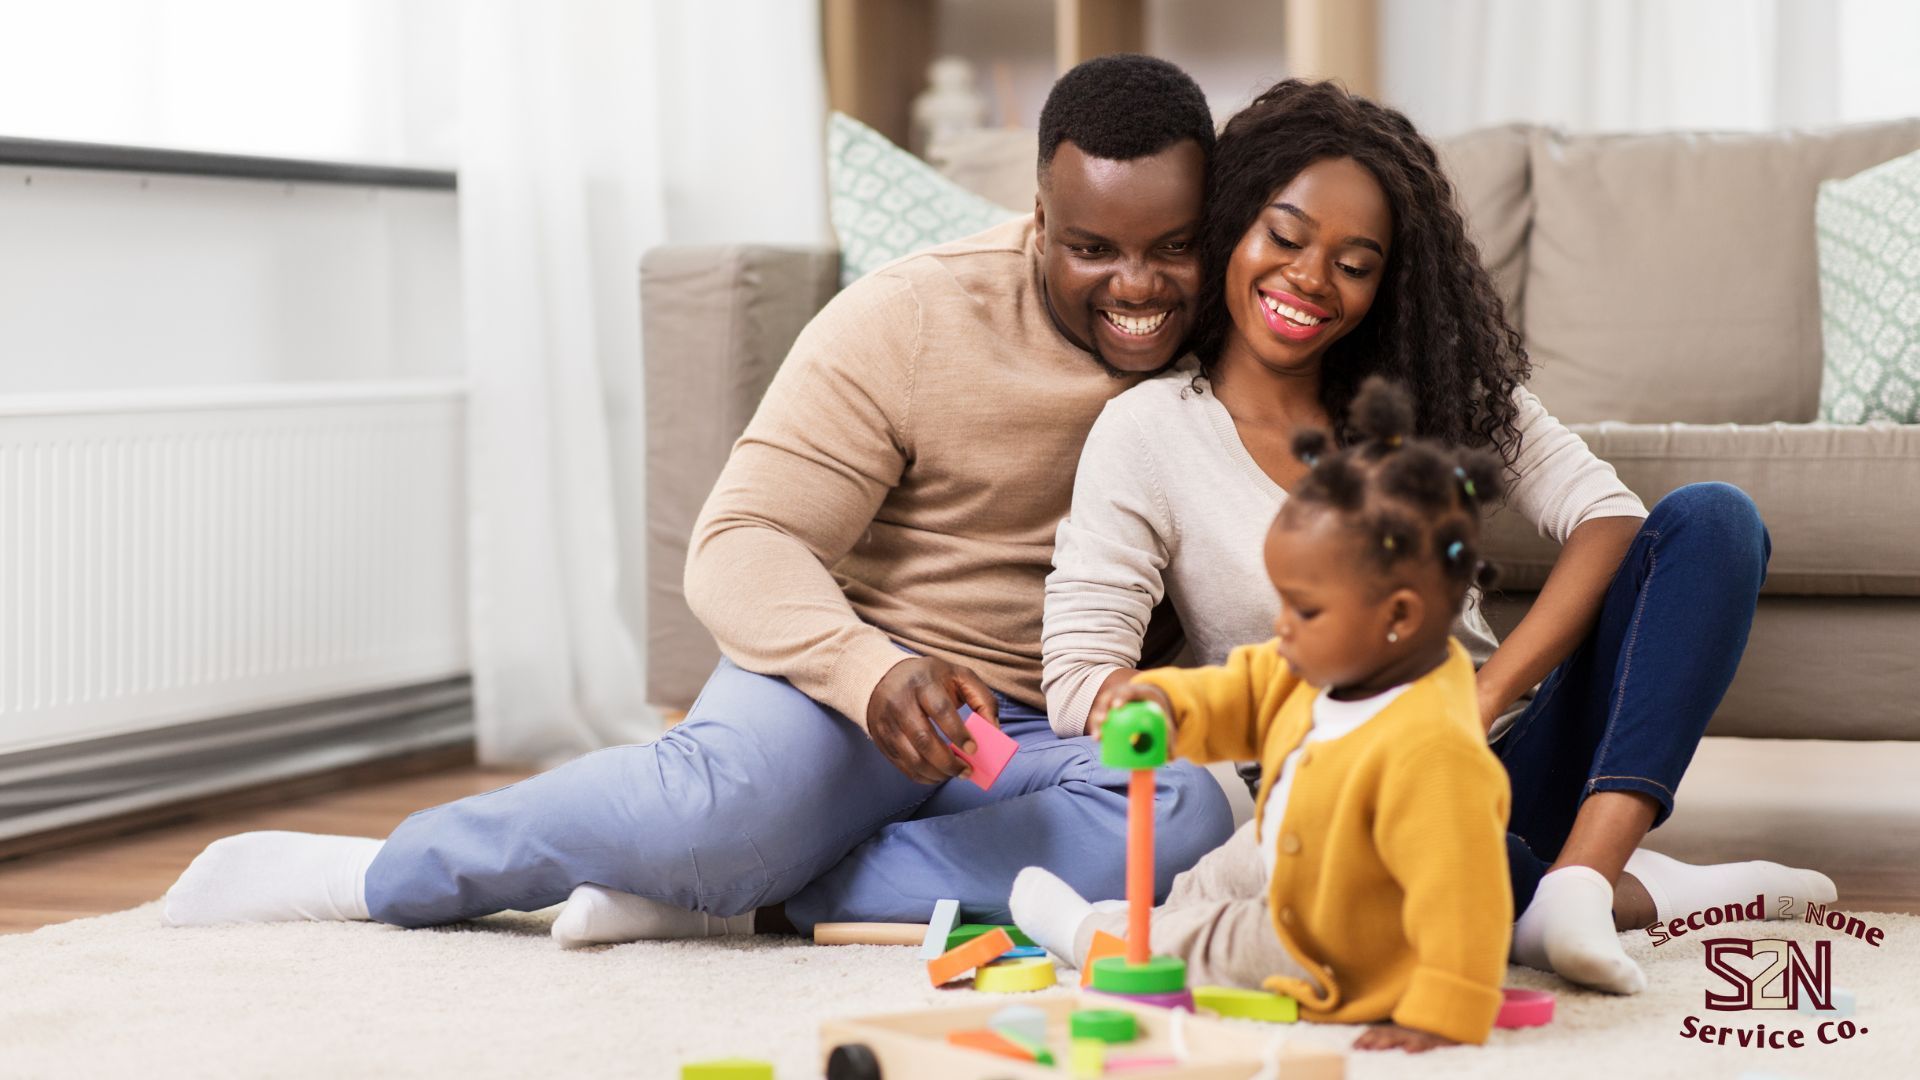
{"x": 888, "y": 203}
{"x": 1869, "y": 226}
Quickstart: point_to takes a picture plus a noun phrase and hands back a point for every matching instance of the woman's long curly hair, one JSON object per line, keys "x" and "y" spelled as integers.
{"x": 1436, "y": 325}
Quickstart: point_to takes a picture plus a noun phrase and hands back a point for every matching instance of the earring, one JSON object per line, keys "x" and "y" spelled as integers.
{"x": 1393, "y": 637}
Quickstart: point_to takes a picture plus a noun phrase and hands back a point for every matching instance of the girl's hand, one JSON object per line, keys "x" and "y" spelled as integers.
{"x": 1395, "y": 1037}
{"x": 1120, "y": 689}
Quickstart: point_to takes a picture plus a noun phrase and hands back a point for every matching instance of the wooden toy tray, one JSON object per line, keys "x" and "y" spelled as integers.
{"x": 913, "y": 1045}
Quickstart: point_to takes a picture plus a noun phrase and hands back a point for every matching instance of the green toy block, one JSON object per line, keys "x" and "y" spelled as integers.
{"x": 1247, "y": 1004}
{"x": 727, "y": 1069}
{"x": 1106, "y": 1025}
{"x": 1159, "y": 975}
{"x": 966, "y": 932}
{"x": 1134, "y": 737}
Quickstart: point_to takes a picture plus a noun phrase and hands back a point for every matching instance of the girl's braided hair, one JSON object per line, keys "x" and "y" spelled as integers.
{"x": 1411, "y": 498}
{"x": 1436, "y": 327}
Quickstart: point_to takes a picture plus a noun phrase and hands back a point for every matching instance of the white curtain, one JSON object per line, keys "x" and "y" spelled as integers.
{"x": 584, "y": 132}
{"x": 589, "y": 132}
{"x": 1637, "y": 65}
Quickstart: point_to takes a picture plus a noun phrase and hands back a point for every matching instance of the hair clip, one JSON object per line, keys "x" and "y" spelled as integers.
{"x": 1466, "y": 482}
{"x": 1454, "y": 549}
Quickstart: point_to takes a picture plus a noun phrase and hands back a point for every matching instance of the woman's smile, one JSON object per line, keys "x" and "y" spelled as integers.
{"x": 1291, "y": 317}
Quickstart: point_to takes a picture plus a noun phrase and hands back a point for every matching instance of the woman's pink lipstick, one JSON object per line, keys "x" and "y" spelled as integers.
{"x": 1279, "y": 323}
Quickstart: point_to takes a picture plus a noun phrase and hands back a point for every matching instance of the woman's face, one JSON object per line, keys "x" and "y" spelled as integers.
{"x": 1306, "y": 272}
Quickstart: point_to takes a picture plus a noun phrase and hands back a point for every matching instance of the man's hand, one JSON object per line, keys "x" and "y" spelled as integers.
{"x": 1117, "y": 690}
{"x": 916, "y": 696}
{"x": 1395, "y": 1037}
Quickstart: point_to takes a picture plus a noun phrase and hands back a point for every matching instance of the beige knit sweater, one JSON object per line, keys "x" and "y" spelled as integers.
{"x": 902, "y": 480}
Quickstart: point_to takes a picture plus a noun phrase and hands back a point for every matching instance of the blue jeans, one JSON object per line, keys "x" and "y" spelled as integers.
{"x": 764, "y": 796}
{"x": 1626, "y": 711}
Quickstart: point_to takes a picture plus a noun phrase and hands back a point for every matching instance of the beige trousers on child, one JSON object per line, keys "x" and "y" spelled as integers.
{"x": 1215, "y": 919}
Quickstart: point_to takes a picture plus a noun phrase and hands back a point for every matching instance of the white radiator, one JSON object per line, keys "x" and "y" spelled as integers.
{"x": 185, "y": 555}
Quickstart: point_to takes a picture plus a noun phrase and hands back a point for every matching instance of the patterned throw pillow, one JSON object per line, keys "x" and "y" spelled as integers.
{"x": 888, "y": 203}
{"x": 1869, "y": 226}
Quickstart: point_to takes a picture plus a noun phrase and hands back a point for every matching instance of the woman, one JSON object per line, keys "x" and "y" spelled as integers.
{"x": 1333, "y": 251}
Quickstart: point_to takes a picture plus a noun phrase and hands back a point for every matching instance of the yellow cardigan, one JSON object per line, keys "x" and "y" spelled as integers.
{"x": 1391, "y": 884}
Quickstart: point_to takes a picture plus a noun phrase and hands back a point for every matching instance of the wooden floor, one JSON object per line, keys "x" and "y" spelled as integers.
{"x": 1851, "y": 810}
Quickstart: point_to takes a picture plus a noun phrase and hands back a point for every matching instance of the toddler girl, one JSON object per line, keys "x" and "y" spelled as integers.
{"x": 1379, "y": 890}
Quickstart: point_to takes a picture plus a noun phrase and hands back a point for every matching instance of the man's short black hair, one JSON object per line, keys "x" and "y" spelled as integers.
{"x": 1123, "y": 107}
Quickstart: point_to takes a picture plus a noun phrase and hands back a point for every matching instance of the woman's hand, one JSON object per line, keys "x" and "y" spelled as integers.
{"x": 1395, "y": 1037}
{"x": 1120, "y": 689}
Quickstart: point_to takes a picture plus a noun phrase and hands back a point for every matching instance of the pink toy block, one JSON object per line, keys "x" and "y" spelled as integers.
{"x": 993, "y": 749}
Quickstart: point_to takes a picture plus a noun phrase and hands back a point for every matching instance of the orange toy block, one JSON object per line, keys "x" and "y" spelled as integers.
{"x": 1104, "y": 945}
{"x": 992, "y": 1042}
{"x": 958, "y": 962}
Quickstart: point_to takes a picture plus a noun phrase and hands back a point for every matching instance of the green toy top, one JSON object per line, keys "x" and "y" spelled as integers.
{"x": 1134, "y": 737}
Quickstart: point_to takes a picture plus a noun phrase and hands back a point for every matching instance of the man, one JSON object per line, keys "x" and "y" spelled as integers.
{"x": 872, "y": 559}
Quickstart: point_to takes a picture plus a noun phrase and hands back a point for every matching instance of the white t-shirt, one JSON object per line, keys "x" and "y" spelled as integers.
{"x": 1331, "y": 720}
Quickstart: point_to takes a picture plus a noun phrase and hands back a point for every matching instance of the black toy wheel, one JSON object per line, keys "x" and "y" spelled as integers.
{"x": 852, "y": 1061}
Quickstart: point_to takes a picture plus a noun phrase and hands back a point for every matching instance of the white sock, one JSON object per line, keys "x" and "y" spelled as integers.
{"x": 1049, "y": 911}
{"x": 1568, "y": 930}
{"x": 596, "y": 915}
{"x": 1680, "y": 889}
{"x": 273, "y": 877}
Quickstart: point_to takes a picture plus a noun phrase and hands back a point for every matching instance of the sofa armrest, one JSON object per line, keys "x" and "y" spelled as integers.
{"x": 1841, "y": 501}
{"x": 715, "y": 324}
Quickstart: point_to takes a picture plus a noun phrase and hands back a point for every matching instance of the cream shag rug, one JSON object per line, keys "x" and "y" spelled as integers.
{"x": 123, "y": 996}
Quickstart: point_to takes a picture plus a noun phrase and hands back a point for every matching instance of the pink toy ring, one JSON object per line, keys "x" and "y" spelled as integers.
{"x": 1524, "y": 1008}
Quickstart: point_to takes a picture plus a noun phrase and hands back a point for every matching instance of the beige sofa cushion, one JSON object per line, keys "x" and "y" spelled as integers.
{"x": 1841, "y": 502}
{"x": 1859, "y": 651}
{"x": 1673, "y": 277}
{"x": 715, "y": 324}
{"x": 1489, "y": 172}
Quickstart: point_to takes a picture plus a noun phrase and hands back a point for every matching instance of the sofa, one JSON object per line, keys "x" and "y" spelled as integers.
{"x": 1667, "y": 287}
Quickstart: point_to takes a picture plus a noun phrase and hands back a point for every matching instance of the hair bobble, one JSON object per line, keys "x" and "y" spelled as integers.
{"x": 1454, "y": 549}
{"x": 1388, "y": 542}
{"x": 1466, "y": 482}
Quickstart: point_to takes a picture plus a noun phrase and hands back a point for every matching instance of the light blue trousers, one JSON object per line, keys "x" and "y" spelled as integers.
{"x": 763, "y": 796}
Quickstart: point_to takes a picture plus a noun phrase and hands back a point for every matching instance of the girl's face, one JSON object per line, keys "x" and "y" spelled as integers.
{"x": 1334, "y": 614}
{"x": 1306, "y": 272}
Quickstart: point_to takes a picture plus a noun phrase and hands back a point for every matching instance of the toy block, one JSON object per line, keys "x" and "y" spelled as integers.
{"x": 727, "y": 1069}
{"x": 1172, "y": 999}
{"x": 1104, "y": 945}
{"x": 1024, "y": 1020}
{"x": 966, "y": 932}
{"x": 1087, "y": 1058}
{"x": 946, "y": 913}
{"x": 1019, "y": 952}
{"x": 1134, "y": 737}
{"x": 1036, "y": 1047}
{"x": 1015, "y": 976}
{"x": 976, "y": 953}
{"x": 1106, "y": 1025}
{"x": 993, "y": 748}
{"x": 868, "y": 933}
{"x": 1130, "y": 1064}
{"x": 1247, "y": 1004}
{"x": 1524, "y": 1008}
{"x": 1159, "y": 975}
{"x": 992, "y": 1042}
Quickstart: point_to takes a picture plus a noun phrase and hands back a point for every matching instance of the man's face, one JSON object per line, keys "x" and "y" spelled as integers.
{"x": 1119, "y": 252}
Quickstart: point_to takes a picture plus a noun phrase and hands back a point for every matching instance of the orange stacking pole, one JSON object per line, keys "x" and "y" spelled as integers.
{"x": 1139, "y": 865}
